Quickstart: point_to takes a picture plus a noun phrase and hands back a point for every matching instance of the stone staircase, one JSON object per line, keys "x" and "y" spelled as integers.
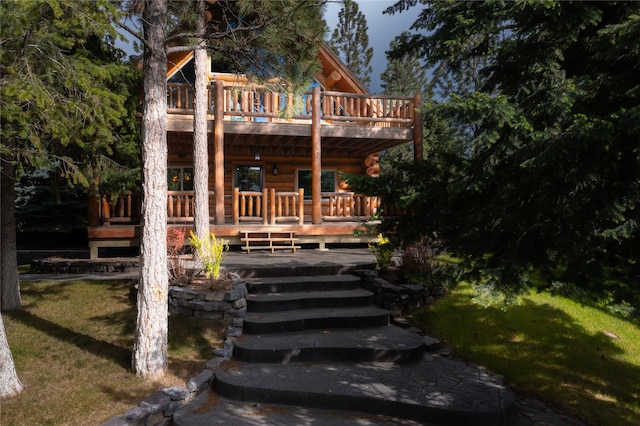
{"x": 320, "y": 342}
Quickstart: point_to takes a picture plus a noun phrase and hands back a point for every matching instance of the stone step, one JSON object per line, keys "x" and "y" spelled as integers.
{"x": 432, "y": 390}
{"x": 210, "y": 409}
{"x": 295, "y": 284}
{"x": 308, "y": 300}
{"x": 309, "y": 319}
{"x": 377, "y": 344}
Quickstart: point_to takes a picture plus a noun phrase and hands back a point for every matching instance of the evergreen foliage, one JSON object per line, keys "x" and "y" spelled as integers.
{"x": 350, "y": 41}
{"x": 404, "y": 76}
{"x": 534, "y": 160}
{"x": 63, "y": 84}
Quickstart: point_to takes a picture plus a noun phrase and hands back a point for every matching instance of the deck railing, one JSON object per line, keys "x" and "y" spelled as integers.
{"x": 268, "y": 206}
{"x": 347, "y": 205}
{"x": 258, "y": 104}
{"x": 249, "y": 206}
{"x": 125, "y": 209}
{"x": 287, "y": 206}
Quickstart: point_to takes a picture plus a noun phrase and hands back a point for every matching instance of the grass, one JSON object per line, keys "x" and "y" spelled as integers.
{"x": 72, "y": 346}
{"x": 576, "y": 358}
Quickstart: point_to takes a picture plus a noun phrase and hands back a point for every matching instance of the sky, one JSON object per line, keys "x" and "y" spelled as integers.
{"x": 382, "y": 29}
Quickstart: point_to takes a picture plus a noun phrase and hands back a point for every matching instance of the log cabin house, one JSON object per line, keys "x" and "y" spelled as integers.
{"x": 274, "y": 178}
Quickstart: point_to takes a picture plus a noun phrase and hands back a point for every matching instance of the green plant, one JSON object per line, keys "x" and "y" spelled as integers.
{"x": 211, "y": 253}
{"x": 383, "y": 251}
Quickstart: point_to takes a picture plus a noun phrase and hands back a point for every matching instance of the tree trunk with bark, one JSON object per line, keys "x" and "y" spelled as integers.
{"x": 200, "y": 152}
{"x": 150, "y": 346}
{"x": 9, "y": 382}
{"x": 9, "y": 284}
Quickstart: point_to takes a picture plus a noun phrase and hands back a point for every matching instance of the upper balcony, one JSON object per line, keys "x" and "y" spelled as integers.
{"x": 360, "y": 124}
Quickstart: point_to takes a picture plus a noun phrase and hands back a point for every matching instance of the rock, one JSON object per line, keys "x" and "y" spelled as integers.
{"x": 196, "y": 384}
{"x": 176, "y": 393}
{"x": 156, "y": 403}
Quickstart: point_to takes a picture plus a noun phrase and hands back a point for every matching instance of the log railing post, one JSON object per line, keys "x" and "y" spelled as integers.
{"x": 236, "y": 206}
{"x": 272, "y": 193}
{"x": 301, "y": 206}
{"x": 263, "y": 210}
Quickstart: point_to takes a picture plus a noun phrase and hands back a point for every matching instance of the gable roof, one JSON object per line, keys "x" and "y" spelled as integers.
{"x": 335, "y": 75}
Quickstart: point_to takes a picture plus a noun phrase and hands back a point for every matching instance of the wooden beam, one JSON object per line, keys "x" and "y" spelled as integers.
{"x": 316, "y": 162}
{"x": 332, "y": 79}
{"x": 218, "y": 146}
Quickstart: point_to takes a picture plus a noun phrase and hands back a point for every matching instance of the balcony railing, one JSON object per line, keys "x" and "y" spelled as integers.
{"x": 258, "y": 104}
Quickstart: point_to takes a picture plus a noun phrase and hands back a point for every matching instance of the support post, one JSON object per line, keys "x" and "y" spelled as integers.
{"x": 316, "y": 162}
{"x": 218, "y": 142}
{"x": 417, "y": 128}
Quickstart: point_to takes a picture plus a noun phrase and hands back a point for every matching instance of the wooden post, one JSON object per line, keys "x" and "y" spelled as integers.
{"x": 93, "y": 206}
{"x": 316, "y": 162}
{"x": 301, "y": 206}
{"x": 236, "y": 206}
{"x": 218, "y": 143}
{"x": 273, "y": 205}
{"x": 417, "y": 128}
{"x": 264, "y": 206}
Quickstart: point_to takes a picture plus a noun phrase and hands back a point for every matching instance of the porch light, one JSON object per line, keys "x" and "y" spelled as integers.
{"x": 275, "y": 169}
{"x": 256, "y": 155}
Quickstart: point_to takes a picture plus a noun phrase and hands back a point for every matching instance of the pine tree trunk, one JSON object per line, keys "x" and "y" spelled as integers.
{"x": 9, "y": 284}
{"x": 9, "y": 382}
{"x": 200, "y": 152}
{"x": 150, "y": 346}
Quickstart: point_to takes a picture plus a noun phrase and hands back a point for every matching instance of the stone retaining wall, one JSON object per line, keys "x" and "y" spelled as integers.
{"x": 83, "y": 266}
{"x": 398, "y": 298}
{"x": 229, "y": 305}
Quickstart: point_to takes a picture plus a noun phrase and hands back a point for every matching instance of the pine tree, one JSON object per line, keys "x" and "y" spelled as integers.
{"x": 350, "y": 41}
{"x": 62, "y": 99}
{"x": 542, "y": 102}
{"x": 404, "y": 76}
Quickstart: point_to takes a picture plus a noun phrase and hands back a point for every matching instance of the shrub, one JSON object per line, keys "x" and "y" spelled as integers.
{"x": 179, "y": 272}
{"x": 211, "y": 253}
{"x": 383, "y": 251}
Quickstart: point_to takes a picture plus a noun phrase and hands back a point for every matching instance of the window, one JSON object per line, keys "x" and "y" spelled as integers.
{"x": 180, "y": 179}
{"x": 248, "y": 178}
{"x": 327, "y": 181}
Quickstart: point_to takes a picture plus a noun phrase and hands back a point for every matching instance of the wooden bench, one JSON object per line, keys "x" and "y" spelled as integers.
{"x": 269, "y": 240}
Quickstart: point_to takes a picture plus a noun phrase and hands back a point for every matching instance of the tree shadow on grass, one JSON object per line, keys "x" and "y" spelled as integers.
{"x": 540, "y": 343}
{"x": 85, "y": 342}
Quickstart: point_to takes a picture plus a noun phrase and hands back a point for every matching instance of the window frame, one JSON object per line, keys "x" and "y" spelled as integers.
{"x": 307, "y": 194}
{"x": 259, "y": 166}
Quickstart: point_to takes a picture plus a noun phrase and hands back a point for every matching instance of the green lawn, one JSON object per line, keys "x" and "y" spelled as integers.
{"x": 72, "y": 347}
{"x": 576, "y": 358}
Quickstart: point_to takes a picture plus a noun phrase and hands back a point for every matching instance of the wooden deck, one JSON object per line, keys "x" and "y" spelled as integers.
{"x": 320, "y": 235}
